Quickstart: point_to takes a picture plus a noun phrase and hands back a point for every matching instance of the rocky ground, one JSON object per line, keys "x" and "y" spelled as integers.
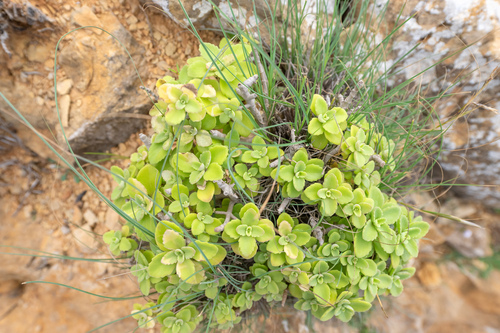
{"x": 42, "y": 207}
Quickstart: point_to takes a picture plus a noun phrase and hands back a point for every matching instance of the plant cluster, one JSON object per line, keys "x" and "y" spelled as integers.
{"x": 208, "y": 243}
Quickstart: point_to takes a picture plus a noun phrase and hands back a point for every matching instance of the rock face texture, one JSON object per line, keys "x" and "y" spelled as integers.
{"x": 98, "y": 87}
{"x": 463, "y": 37}
{"x": 102, "y": 71}
{"x": 99, "y": 97}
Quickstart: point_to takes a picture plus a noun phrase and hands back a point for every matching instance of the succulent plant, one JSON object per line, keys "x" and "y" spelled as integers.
{"x": 205, "y": 225}
{"x": 248, "y": 231}
{"x": 329, "y": 194}
{"x": 294, "y": 176}
{"x": 328, "y": 125}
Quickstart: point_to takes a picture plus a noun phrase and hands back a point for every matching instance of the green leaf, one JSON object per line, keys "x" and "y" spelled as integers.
{"x": 209, "y": 51}
{"x": 149, "y": 176}
{"x": 198, "y": 227}
{"x": 214, "y": 172}
{"x": 219, "y": 154}
{"x": 359, "y": 305}
{"x": 369, "y": 232}
{"x": 203, "y": 139}
{"x": 209, "y": 250}
{"x": 377, "y": 196}
{"x": 197, "y": 69}
{"x": 157, "y": 269}
{"x": 419, "y": 229}
{"x": 185, "y": 270}
{"x": 178, "y": 190}
{"x": 318, "y": 105}
{"x": 248, "y": 246}
{"x": 230, "y": 229}
{"x": 322, "y": 293}
{"x": 145, "y": 286}
{"x": 385, "y": 281}
{"x": 311, "y": 192}
{"x": 361, "y": 247}
{"x": 313, "y": 172}
{"x": 268, "y": 228}
{"x": 172, "y": 240}
{"x": 286, "y": 173}
{"x": 173, "y": 116}
{"x": 329, "y": 206}
{"x": 319, "y": 141}
{"x": 156, "y": 153}
{"x": 277, "y": 259}
{"x": 247, "y": 157}
{"x": 370, "y": 269}
{"x": 207, "y": 194}
{"x": 315, "y": 128}
{"x": 392, "y": 214}
{"x": 291, "y": 250}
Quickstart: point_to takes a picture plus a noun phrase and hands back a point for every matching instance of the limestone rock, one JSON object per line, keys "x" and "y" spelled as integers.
{"x": 441, "y": 30}
{"x": 248, "y": 14}
{"x": 64, "y": 105}
{"x": 471, "y": 242}
{"x": 90, "y": 217}
{"x": 98, "y": 88}
{"x": 101, "y": 69}
{"x": 84, "y": 16}
{"x": 63, "y": 87}
{"x": 84, "y": 239}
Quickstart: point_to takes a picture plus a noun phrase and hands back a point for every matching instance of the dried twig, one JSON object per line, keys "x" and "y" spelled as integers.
{"x": 263, "y": 77}
{"x": 377, "y": 159}
{"x": 229, "y": 215}
{"x": 244, "y": 91}
{"x": 317, "y": 232}
{"x": 332, "y": 152}
{"x": 267, "y": 199}
{"x": 347, "y": 102}
{"x": 218, "y": 135}
{"x": 227, "y": 190}
{"x": 284, "y": 204}
{"x": 291, "y": 150}
{"x": 150, "y": 92}
{"x": 283, "y": 300}
{"x": 275, "y": 163}
{"x": 486, "y": 107}
{"x": 163, "y": 216}
{"x": 145, "y": 139}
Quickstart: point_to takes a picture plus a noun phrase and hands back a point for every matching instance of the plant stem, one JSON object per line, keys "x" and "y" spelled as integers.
{"x": 244, "y": 91}
{"x": 145, "y": 139}
{"x": 377, "y": 159}
{"x": 150, "y": 92}
{"x": 317, "y": 232}
{"x": 263, "y": 77}
{"x": 227, "y": 190}
{"x": 284, "y": 205}
{"x": 332, "y": 152}
{"x": 218, "y": 135}
{"x": 228, "y": 213}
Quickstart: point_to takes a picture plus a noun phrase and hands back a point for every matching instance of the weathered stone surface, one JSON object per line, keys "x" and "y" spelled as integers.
{"x": 98, "y": 87}
{"x": 63, "y": 87}
{"x": 109, "y": 84}
{"x": 248, "y": 14}
{"x": 443, "y": 29}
